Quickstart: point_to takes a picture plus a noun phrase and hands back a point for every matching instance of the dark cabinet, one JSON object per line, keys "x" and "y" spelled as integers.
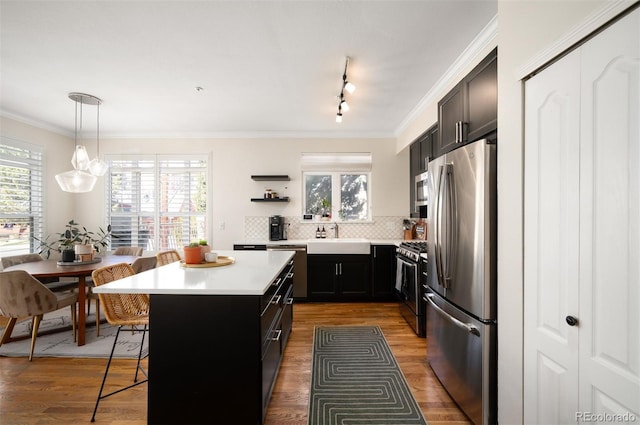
{"x": 237, "y": 343}
{"x": 470, "y": 110}
{"x": 338, "y": 277}
{"x": 383, "y": 271}
{"x": 420, "y": 152}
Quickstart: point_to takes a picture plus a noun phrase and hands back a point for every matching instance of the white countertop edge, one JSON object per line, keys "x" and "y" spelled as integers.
{"x": 251, "y": 274}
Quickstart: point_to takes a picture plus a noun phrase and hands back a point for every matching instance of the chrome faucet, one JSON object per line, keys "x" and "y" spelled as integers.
{"x": 336, "y": 234}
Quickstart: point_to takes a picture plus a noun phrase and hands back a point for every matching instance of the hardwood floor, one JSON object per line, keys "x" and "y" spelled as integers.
{"x": 63, "y": 391}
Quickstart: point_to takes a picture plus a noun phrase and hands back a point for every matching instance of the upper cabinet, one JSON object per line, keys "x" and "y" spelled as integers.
{"x": 470, "y": 110}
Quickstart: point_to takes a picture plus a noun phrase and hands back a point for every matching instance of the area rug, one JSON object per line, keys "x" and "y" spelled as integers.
{"x": 61, "y": 344}
{"x": 356, "y": 380}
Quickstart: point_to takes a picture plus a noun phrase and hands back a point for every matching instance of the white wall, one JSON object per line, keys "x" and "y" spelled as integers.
{"x": 233, "y": 161}
{"x": 58, "y": 150}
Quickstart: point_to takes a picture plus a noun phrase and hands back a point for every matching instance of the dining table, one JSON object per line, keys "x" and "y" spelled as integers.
{"x": 80, "y": 270}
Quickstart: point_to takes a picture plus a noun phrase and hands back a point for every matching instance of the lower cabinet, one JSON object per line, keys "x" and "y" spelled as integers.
{"x": 338, "y": 277}
{"x": 214, "y": 359}
{"x": 383, "y": 272}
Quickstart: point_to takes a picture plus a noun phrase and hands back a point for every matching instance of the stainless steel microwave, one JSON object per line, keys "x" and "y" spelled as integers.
{"x": 422, "y": 187}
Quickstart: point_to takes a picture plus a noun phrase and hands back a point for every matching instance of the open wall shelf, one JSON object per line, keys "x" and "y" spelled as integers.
{"x": 270, "y": 177}
{"x": 285, "y": 199}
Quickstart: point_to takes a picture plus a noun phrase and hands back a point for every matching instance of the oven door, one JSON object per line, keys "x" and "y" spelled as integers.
{"x": 408, "y": 283}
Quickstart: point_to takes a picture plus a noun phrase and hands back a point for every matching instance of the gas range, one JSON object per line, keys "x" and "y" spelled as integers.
{"x": 412, "y": 249}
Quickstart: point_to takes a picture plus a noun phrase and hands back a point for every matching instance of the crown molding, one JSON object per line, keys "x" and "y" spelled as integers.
{"x": 487, "y": 37}
{"x": 591, "y": 23}
{"x": 35, "y": 123}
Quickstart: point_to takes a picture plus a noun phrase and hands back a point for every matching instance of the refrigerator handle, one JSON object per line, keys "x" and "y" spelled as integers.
{"x": 466, "y": 326}
{"x": 437, "y": 226}
{"x": 452, "y": 226}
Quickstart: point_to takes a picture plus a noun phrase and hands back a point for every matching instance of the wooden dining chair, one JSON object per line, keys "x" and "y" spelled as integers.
{"x": 22, "y": 295}
{"x": 130, "y": 310}
{"x": 167, "y": 257}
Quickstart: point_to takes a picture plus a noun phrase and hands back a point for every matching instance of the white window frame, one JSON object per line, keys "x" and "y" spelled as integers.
{"x": 154, "y": 243}
{"x": 29, "y": 159}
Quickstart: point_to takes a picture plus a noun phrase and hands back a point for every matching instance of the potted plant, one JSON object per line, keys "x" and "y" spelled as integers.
{"x": 204, "y": 246}
{"x": 326, "y": 209}
{"x": 193, "y": 253}
{"x": 73, "y": 235}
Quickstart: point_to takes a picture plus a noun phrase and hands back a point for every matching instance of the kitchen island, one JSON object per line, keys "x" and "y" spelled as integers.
{"x": 217, "y": 335}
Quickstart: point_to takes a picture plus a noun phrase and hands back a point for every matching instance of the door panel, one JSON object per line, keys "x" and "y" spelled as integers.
{"x": 551, "y": 254}
{"x": 469, "y": 192}
{"x": 582, "y": 232}
{"x": 610, "y": 216}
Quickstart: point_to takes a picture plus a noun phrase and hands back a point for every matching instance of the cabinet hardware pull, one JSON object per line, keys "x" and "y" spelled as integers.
{"x": 276, "y": 299}
{"x": 336, "y": 269}
{"x": 278, "y": 335}
{"x": 276, "y": 282}
{"x": 290, "y": 275}
{"x": 340, "y": 269}
{"x": 290, "y": 301}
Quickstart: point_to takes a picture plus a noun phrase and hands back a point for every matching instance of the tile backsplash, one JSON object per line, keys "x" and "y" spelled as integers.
{"x": 385, "y": 227}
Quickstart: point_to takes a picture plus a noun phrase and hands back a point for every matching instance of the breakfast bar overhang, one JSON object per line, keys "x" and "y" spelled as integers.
{"x": 216, "y": 336}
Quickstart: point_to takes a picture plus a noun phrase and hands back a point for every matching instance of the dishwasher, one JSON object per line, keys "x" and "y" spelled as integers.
{"x": 299, "y": 264}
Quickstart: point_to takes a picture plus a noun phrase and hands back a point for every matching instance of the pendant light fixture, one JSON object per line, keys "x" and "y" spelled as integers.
{"x": 349, "y": 87}
{"x": 79, "y": 180}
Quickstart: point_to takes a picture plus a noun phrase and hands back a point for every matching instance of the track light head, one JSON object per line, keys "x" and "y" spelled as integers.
{"x": 348, "y": 86}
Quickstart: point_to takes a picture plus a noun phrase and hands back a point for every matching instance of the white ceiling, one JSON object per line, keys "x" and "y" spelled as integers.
{"x": 266, "y": 67}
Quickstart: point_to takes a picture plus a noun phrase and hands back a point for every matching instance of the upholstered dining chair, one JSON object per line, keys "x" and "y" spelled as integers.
{"x": 167, "y": 257}
{"x": 143, "y": 264}
{"x": 22, "y": 295}
{"x": 131, "y": 310}
{"x": 129, "y": 250}
{"x": 53, "y": 284}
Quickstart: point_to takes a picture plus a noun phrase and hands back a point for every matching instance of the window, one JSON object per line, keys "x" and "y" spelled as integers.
{"x": 158, "y": 202}
{"x": 21, "y": 197}
{"x": 337, "y": 185}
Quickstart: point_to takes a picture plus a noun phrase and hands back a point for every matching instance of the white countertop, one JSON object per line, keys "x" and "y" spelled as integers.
{"x": 251, "y": 274}
{"x": 304, "y": 241}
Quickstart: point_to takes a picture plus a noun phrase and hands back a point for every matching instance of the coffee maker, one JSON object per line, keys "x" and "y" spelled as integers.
{"x": 277, "y": 228}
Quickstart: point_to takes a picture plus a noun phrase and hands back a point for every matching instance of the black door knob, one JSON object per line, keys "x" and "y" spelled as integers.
{"x": 571, "y": 321}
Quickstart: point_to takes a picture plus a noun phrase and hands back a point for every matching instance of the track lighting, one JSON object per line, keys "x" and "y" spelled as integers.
{"x": 349, "y": 87}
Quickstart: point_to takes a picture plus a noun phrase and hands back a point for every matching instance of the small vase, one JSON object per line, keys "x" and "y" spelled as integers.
{"x": 205, "y": 249}
{"x": 68, "y": 255}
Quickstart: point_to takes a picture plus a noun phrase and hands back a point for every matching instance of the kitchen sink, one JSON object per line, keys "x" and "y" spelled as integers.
{"x": 338, "y": 246}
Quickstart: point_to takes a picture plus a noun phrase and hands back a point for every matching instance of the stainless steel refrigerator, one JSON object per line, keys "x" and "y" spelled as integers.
{"x": 461, "y": 311}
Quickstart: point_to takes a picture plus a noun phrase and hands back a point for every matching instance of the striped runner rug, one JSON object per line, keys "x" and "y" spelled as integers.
{"x": 356, "y": 380}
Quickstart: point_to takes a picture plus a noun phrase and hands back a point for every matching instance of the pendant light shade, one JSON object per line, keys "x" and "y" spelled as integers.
{"x": 98, "y": 167}
{"x": 78, "y": 180}
{"x": 80, "y": 158}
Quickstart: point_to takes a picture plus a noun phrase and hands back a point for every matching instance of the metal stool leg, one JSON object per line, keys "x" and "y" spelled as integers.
{"x": 104, "y": 379}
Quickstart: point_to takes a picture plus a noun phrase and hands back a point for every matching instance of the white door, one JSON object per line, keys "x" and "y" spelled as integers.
{"x": 610, "y": 221}
{"x": 551, "y": 243}
{"x": 582, "y": 233}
